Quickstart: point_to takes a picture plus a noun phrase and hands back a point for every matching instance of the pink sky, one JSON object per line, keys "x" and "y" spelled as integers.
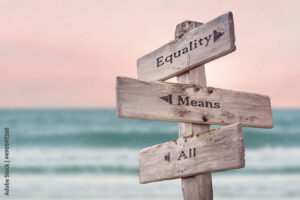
{"x": 67, "y": 53}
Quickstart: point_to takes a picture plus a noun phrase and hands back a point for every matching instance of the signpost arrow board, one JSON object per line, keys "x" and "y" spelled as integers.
{"x": 217, "y": 150}
{"x": 198, "y": 46}
{"x": 192, "y": 157}
{"x": 190, "y": 103}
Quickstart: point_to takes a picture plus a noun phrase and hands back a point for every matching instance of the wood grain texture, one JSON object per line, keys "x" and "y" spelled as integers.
{"x": 217, "y": 150}
{"x": 143, "y": 100}
{"x": 197, "y": 187}
{"x": 185, "y": 27}
{"x": 217, "y": 39}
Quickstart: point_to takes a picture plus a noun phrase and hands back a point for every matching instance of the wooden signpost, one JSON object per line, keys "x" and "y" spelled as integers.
{"x": 217, "y": 150}
{"x": 200, "y": 45}
{"x": 191, "y": 103}
{"x": 198, "y": 151}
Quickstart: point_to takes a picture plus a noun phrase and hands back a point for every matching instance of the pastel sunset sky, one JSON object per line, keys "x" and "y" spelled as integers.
{"x": 67, "y": 53}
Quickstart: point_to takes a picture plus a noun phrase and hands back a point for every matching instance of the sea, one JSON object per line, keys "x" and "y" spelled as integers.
{"x": 92, "y": 154}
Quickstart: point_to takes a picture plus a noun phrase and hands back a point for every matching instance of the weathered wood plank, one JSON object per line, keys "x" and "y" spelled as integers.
{"x": 191, "y": 103}
{"x": 197, "y": 187}
{"x": 217, "y": 150}
{"x": 198, "y": 46}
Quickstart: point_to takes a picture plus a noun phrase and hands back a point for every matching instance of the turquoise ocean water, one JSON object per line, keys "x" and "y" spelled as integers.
{"x": 92, "y": 154}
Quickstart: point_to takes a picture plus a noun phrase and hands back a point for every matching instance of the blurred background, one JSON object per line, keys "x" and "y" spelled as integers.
{"x": 58, "y": 63}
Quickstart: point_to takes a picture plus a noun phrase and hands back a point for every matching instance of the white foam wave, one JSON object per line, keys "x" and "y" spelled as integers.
{"x": 258, "y": 159}
{"x": 109, "y": 187}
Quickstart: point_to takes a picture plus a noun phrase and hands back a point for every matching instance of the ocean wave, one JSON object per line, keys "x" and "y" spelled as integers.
{"x": 102, "y": 128}
{"x": 96, "y": 170}
{"x": 124, "y": 170}
{"x": 136, "y": 139}
{"x": 46, "y": 160}
{"x": 120, "y": 187}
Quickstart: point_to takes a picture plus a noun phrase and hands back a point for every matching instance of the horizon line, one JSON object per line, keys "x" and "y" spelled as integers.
{"x": 101, "y": 108}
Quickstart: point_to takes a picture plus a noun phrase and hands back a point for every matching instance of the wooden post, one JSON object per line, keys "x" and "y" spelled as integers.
{"x": 196, "y": 187}
{"x": 147, "y": 99}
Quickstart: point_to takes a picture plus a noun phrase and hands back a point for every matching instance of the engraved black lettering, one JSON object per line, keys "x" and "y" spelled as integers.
{"x": 185, "y": 50}
{"x": 182, "y": 154}
{"x": 194, "y": 103}
{"x": 195, "y": 44}
{"x": 207, "y": 38}
{"x": 200, "y": 104}
{"x": 179, "y": 53}
{"x": 200, "y": 42}
{"x": 205, "y": 41}
{"x": 159, "y": 61}
{"x": 208, "y": 104}
{"x": 183, "y": 102}
{"x": 187, "y": 102}
{"x": 217, "y": 105}
{"x": 192, "y": 152}
{"x": 169, "y": 58}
